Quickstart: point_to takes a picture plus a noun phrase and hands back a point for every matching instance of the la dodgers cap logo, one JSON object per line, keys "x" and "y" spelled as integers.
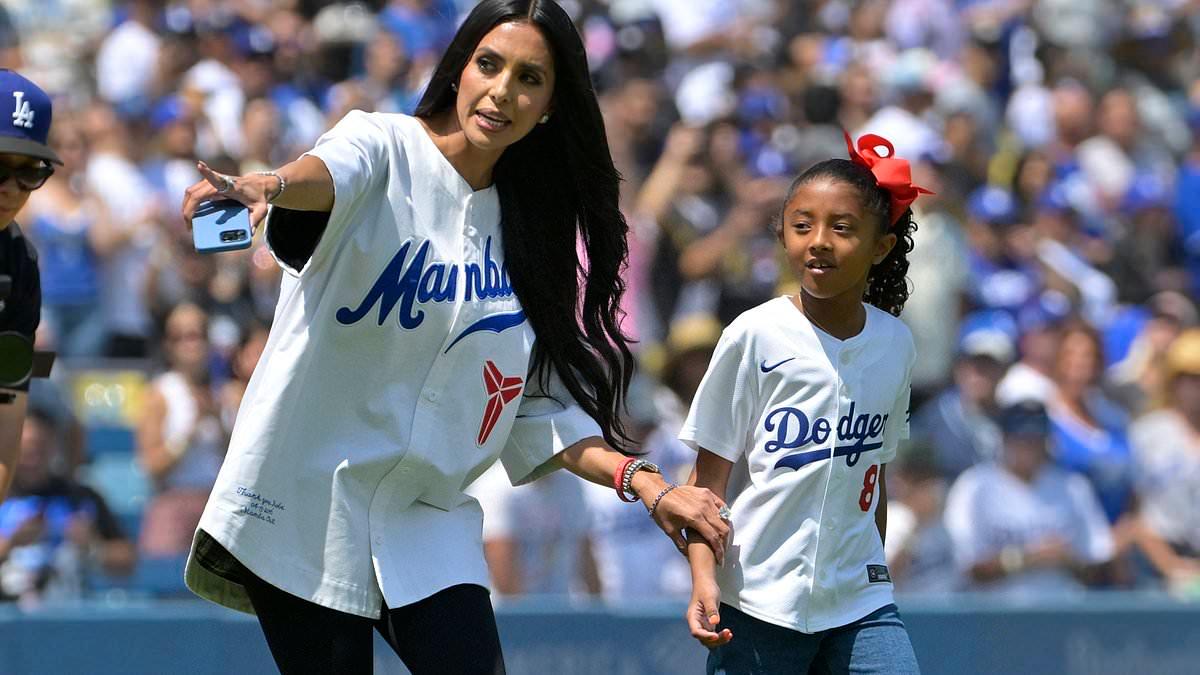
{"x": 24, "y": 118}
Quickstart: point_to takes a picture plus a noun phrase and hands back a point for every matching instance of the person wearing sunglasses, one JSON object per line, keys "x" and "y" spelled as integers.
{"x": 26, "y": 161}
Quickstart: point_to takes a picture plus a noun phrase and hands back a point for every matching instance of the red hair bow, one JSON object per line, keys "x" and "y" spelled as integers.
{"x": 891, "y": 173}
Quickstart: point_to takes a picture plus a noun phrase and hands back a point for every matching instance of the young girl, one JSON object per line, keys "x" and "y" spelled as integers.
{"x": 802, "y": 407}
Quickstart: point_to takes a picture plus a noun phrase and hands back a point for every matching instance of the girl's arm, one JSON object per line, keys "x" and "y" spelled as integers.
{"x": 881, "y": 506}
{"x": 703, "y": 613}
{"x": 694, "y": 508}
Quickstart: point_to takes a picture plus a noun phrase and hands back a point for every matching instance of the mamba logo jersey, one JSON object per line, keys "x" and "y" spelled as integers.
{"x": 396, "y": 372}
{"x": 807, "y": 420}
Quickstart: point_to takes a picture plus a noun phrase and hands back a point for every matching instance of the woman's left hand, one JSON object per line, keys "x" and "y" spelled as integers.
{"x": 696, "y": 509}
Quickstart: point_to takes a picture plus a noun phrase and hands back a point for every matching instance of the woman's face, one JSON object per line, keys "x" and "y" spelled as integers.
{"x": 1078, "y": 356}
{"x": 187, "y": 339}
{"x": 506, "y": 87}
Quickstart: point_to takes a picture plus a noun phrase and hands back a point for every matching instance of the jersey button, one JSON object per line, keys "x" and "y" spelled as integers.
{"x": 431, "y": 395}
{"x": 845, "y": 357}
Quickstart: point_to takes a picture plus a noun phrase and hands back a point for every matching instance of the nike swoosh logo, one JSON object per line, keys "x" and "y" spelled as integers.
{"x": 497, "y": 323}
{"x": 766, "y": 369}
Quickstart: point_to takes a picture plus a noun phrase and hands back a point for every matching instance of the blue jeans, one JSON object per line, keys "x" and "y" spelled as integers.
{"x": 876, "y": 644}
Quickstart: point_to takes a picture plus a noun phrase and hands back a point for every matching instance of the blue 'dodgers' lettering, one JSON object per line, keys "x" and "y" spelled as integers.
{"x": 855, "y": 434}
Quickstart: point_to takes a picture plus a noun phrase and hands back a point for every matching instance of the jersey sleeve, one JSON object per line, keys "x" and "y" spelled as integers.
{"x": 355, "y": 151}
{"x": 898, "y": 418}
{"x": 723, "y": 409}
{"x": 548, "y": 422}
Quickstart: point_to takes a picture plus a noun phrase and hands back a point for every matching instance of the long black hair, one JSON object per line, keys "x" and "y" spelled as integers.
{"x": 558, "y": 186}
{"x": 887, "y": 282}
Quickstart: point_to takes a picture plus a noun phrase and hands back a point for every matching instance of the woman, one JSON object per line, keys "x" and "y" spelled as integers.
{"x": 181, "y": 437}
{"x": 1088, "y": 428}
{"x": 426, "y": 254}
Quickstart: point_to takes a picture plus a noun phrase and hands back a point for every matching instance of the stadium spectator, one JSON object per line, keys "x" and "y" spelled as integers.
{"x": 64, "y": 220}
{"x": 54, "y": 533}
{"x": 181, "y": 436}
{"x": 1089, "y": 430}
{"x": 919, "y": 552}
{"x": 1023, "y": 526}
{"x": 960, "y": 424}
{"x": 1166, "y": 451}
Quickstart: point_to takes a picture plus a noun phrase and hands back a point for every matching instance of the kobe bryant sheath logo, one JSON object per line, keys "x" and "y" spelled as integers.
{"x": 501, "y": 391}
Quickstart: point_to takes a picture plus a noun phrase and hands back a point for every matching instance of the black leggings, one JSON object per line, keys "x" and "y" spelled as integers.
{"x": 452, "y": 631}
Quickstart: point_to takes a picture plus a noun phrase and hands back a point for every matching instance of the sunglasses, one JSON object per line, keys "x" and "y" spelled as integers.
{"x": 28, "y": 177}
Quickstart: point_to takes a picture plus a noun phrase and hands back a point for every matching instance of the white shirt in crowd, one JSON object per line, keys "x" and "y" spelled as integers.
{"x": 807, "y": 419}
{"x": 989, "y": 508}
{"x": 547, "y": 520}
{"x": 1166, "y": 454}
{"x": 394, "y": 375}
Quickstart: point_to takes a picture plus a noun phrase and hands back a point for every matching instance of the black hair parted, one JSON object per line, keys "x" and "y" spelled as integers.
{"x": 558, "y": 187}
{"x": 887, "y": 282}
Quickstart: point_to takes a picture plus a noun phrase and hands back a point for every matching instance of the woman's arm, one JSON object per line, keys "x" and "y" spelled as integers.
{"x": 309, "y": 188}
{"x": 694, "y": 508}
{"x": 153, "y": 453}
{"x": 703, "y": 613}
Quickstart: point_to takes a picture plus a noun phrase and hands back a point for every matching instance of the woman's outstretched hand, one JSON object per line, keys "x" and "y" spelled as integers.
{"x": 694, "y": 508}
{"x": 252, "y": 190}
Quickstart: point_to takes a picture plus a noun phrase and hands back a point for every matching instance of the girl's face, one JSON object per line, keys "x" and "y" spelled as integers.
{"x": 831, "y": 240}
{"x": 506, "y": 87}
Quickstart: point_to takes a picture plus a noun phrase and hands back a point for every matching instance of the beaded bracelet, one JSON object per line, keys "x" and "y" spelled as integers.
{"x": 663, "y": 493}
{"x": 627, "y": 479}
{"x": 619, "y": 480}
{"x": 282, "y": 184}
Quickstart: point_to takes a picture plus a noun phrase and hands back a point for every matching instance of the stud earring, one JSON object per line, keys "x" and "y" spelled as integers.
{"x": 453, "y": 86}
{"x": 545, "y": 118}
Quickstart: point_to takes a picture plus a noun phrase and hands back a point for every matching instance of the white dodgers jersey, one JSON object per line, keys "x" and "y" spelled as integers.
{"x": 807, "y": 419}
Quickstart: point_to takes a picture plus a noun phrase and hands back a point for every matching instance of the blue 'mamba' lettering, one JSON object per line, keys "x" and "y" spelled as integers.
{"x": 409, "y": 283}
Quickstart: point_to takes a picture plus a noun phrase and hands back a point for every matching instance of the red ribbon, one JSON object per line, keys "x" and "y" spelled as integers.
{"x": 891, "y": 173}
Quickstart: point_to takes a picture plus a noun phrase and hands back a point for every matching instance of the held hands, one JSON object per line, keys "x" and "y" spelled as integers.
{"x": 693, "y": 508}
{"x": 703, "y": 614}
{"x": 252, "y": 190}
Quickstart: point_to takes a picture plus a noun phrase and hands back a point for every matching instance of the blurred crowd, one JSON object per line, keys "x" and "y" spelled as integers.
{"x": 1056, "y": 402}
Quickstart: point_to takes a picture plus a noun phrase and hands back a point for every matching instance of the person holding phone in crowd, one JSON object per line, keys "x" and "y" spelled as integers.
{"x": 452, "y": 297}
{"x": 26, "y": 162}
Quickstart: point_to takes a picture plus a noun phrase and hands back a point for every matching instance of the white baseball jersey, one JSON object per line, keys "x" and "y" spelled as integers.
{"x": 807, "y": 419}
{"x": 989, "y": 508}
{"x": 394, "y": 375}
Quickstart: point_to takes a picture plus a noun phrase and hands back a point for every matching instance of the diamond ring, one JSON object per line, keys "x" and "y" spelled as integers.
{"x": 725, "y": 513}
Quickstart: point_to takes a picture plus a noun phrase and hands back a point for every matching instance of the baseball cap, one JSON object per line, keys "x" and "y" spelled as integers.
{"x": 24, "y": 118}
{"x": 1025, "y": 418}
{"x": 992, "y": 205}
{"x": 990, "y": 333}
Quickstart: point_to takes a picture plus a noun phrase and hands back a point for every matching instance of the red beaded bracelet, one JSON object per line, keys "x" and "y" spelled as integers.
{"x": 619, "y": 479}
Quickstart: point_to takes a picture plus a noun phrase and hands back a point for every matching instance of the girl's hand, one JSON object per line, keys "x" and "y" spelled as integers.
{"x": 252, "y": 190}
{"x": 703, "y": 614}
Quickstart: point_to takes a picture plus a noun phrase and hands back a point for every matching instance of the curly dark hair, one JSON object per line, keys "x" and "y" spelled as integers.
{"x": 887, "y": 282}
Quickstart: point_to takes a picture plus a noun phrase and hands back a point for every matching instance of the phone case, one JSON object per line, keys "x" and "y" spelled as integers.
{"x": 221, "y": 226}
